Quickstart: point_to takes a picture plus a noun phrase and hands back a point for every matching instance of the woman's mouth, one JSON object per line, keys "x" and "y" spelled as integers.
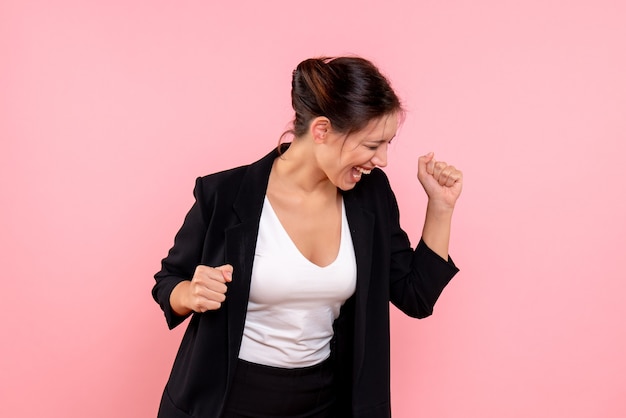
{"x": 358, "y": 171}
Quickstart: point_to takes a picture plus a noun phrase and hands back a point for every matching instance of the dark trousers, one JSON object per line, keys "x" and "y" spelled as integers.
{"x": 270, "y": 392}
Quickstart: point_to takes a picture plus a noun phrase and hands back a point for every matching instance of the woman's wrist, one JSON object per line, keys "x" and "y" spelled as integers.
{"x": 177, "y": 298}
{"x": 439, "y": 210}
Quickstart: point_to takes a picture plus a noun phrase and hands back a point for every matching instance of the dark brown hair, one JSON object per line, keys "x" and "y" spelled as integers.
{"x": 349, "y": 91}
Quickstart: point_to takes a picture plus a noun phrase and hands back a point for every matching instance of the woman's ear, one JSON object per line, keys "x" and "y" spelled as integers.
{"x": 319, "y": 128}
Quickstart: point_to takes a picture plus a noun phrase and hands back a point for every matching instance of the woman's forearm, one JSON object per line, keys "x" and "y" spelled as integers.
{"x": 436, "y": 232}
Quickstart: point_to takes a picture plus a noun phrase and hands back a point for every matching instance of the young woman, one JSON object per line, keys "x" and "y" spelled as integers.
{"x": 287, "y": 265}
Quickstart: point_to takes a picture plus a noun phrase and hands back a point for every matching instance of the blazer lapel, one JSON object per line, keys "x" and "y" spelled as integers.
{"x": 361, "y": 224}
{"x": 240, "y": 243}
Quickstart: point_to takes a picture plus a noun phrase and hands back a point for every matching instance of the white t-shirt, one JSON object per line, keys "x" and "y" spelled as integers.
{"x": 293, "y": 302}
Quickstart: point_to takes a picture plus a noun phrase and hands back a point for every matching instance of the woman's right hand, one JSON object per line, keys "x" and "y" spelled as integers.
{"x": 205, "y": 292}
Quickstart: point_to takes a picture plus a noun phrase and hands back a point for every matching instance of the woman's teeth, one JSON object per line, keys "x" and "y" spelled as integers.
{"x": 358, "y": 171}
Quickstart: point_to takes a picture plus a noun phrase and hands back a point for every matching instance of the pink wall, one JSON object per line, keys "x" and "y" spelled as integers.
{"x": 109, "y": 110}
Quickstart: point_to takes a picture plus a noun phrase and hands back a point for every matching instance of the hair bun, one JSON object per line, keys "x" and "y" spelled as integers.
{"x": 349, "y": 91}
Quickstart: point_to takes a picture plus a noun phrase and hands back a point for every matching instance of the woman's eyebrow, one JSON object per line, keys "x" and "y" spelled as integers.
{"x": 380, "y": 141}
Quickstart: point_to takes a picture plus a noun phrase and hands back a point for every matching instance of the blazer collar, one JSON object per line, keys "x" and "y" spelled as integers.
{"x": 240, "y": 243}
{"x": 249, "y": 201}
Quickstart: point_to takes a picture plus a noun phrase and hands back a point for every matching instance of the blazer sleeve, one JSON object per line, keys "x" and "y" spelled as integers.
{"x": 183, "y": 257}
{"x": 417, "y": 277}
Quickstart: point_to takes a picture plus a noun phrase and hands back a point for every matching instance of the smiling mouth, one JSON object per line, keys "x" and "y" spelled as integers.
{"x": 357, "y": 171}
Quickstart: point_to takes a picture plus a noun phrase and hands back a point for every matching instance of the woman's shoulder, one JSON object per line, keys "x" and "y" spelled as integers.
{"x": 222, "y": 183}
{"x": 223, "y": 177}
{"x": 231, "y": 179}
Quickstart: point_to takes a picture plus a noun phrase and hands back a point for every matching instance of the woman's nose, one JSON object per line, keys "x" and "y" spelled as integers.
{"x": 380, "y": 158}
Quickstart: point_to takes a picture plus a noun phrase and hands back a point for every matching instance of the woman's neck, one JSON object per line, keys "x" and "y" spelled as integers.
{"x": 297, "y": 171}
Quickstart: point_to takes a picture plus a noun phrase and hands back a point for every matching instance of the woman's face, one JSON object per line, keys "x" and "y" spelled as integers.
{"x": 347, "y": 158}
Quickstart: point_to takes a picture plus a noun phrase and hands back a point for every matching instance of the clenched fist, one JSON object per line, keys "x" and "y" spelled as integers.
{"x": 205, "y": 292}
{"x": 441, "y": 181}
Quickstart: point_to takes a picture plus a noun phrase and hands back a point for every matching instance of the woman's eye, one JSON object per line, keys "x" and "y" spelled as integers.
{"x": 372, "y": 147}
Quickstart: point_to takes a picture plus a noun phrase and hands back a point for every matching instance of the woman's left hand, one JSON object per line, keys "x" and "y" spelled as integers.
{"x": 442, "y": 182}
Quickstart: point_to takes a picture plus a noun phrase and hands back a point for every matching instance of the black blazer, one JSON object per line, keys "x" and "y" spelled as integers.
{"x": 221, "y": 228}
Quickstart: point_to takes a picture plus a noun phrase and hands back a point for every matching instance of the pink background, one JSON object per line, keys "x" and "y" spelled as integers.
{"x": 109, "y": 110}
